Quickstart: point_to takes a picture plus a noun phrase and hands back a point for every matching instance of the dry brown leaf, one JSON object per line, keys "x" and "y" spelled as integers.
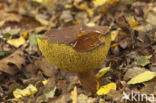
{"x": 150, "y": 87}
{"x": 11, "y": 63}
{"x": 82, "y": 98}
{"x": 10, "y": 17}
{"x": 151, "y": 18}
{"x": 66, "y": 17}
{"x": 116, "y": 96}
{"x": 45, "y": 67}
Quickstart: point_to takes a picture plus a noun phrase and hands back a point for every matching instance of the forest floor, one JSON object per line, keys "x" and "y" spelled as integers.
{"x": 24, "y": 71}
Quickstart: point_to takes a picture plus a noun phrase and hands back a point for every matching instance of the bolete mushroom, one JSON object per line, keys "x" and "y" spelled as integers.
{"x": 79, "y": 49}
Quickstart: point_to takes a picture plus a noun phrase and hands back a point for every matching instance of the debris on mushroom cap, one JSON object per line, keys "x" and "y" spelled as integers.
{"x": 87, "y": 42}
{"x": 79, "y": 37}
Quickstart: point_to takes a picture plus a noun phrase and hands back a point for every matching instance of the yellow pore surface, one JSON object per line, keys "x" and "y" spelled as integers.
{"x": 66, "y": 58}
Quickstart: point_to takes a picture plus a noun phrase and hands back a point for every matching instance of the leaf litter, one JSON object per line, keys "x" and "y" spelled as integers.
{"x": 21, "y": 62}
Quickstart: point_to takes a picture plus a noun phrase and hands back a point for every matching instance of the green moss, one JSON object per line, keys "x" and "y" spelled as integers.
{"x": 66, "y": 58}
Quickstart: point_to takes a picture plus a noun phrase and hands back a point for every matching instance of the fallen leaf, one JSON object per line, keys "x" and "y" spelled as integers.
{"x": 33, "y": 39}
{"x": 82, "y": 17}
{"x": 44, "y": 2}
{"x": 91, "y": 24}
{"x": 2, "y": 53}
{"x": 16, "y": 42}
{"x": 44, "y": 66}
{"x": 104, "y": 5}
{"x": 143, "y": 77}
{"x": 74, "y": 95}
{"x": 102, "y": 72}
{"x": 42, "y": 21}
{"x": 99, "y": 2}
{"x": 80, "y": 6}
{"x": 132, "y": 72}
{"x": 6, "y": 35}
{"x": 29, "y": 90}
{"x": 17, "y": 93}
{"x": 10, "y": 17}
{"x": 45, "y": 82}
{"x": 66, "y": 16}
{"x": 115, "y": 45}
{"x": 11, "y": 63}
{"x": 82, "y": 98}
{"x": 68, "y": 6}
{"x": 77, "y": 22}
{"x": 151, "y": 18}
{"x": 115, "y": 96}
{"x": 9, "y": 30}
{"x": 101, "y": 100}
{"x": 150, "y": 87}
{"x": 114, "y": 34}
{"x": 2, "y": 23}
{"x": 106, "y": 89}
{"x": 133, "y": 23}
{"x": 143, "y": 60}
{"x": 153, "y": 60}
{"x": 127, "y": 2}
{"x": 90, "y": 12}
{"x": 39, "y": 1}
{"x": 50, "y": 93}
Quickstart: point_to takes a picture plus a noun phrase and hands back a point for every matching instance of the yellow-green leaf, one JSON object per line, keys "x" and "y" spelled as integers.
{"x": 39, "y": 1}
{"x": 102, "y": 72}
{"x": 45, "y": 82}
{"x": 18, "y": 93}
{"x": 90, "y": 12}
{"x": 6, "y": 35}
{"x": 2, "y": 53}
{"x": 114, "y": 34}
{"x": 29, "y": 90}
{"x": 42, "y": 21}
{"x": 143, "y": 60}
{"x": 99, "y": 2}
{"x": 50, "y": 92}
{"x": 74, "y": 95}
{"x": 33, "y": 39}
{"x": 106, "y": 89}
{"x": 16, "y": 42}
{"x": 91, "y": 24}
{"x": 143, "y": 77}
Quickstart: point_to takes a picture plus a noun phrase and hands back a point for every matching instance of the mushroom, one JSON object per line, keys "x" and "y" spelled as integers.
{"x": 79, "y": 49}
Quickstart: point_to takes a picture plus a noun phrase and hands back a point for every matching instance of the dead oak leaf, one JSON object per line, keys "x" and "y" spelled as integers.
{"x": 10, "y": 17}
{"x": 11, "y": 63}
{"x": 150, "y": 87}
{"x": 47, "y": 69}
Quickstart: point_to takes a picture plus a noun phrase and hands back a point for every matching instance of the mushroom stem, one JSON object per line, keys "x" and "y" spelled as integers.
{"x": 88, "y": 80}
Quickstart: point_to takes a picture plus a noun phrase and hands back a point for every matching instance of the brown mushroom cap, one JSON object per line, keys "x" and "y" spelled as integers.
{"x": 82, "y": 51}
{"x": 79, "y": 37}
